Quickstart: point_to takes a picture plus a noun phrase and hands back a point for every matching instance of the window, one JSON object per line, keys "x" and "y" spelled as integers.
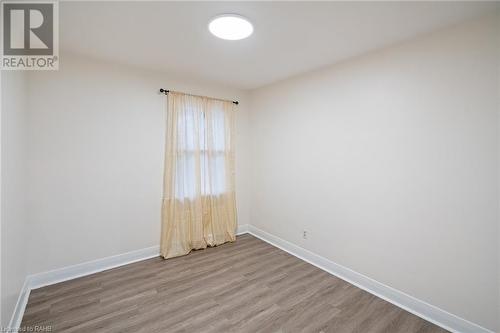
{"x": 201, "y": 161}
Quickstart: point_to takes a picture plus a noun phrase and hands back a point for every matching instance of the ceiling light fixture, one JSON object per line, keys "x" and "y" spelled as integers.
{"x": 230, "y": 27}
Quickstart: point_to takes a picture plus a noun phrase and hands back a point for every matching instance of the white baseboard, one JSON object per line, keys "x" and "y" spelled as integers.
{"x": 91, "y": 267}
{"x": 409, "y": 303}
{"x": 99, "y": 265}
{"x": 22, "y": 300}
{"x": 75, "y": 271}
{"x": 38, "y": 280}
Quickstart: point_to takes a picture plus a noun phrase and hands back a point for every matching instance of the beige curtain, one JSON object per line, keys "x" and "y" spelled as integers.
{"x": 199, "y": 207}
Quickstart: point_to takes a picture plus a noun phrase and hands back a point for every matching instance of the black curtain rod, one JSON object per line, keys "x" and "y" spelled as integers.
{"x": 165, "y": 91}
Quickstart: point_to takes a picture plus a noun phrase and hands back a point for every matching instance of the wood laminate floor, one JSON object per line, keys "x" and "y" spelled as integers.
{"x": 246, "y": 286}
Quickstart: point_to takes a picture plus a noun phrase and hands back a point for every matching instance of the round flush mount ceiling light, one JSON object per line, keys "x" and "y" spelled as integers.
{"x": 230, "y": 27}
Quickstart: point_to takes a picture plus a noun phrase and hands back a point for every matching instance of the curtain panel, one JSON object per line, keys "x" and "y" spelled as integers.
{"x": 199, "y": 205}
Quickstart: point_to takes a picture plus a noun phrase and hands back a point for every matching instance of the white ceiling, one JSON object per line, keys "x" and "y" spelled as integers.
{"x": 289, "y": 38}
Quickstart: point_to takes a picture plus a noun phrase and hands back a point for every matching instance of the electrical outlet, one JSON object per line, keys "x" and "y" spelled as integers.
{"x": 304, "y": 234}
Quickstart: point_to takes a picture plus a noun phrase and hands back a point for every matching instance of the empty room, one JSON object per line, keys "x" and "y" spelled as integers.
{"x": 241, "y": 166}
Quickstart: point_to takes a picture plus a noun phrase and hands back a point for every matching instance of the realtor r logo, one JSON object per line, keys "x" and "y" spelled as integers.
{"x": 30, "y": 35}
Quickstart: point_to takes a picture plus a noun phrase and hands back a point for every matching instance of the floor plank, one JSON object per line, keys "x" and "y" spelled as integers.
{"x": 245, "y": 286}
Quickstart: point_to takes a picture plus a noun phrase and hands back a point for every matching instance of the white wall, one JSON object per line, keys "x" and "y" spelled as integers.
{"x": 14, "y": 230}
{"x": 390, "y": 161}
{"x": 95, "y": 159}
